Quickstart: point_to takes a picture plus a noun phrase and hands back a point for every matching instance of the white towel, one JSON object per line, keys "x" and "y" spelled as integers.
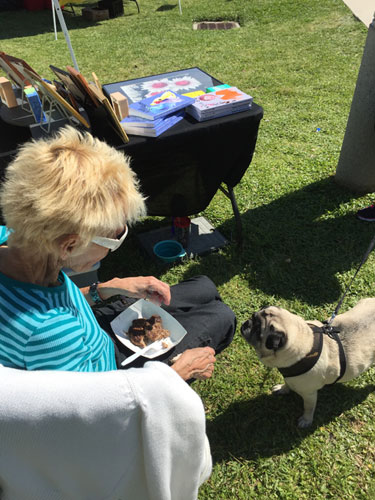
{"x": 136, "y": 434}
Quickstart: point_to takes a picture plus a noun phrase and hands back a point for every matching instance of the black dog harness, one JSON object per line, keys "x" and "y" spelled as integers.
{"x": 306, "y": 363}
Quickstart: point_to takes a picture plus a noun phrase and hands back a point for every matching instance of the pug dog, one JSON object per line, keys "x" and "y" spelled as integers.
{"x": 282, "y": 339}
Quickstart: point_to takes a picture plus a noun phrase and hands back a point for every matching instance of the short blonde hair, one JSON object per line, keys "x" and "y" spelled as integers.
{"x": 71, "y": 183}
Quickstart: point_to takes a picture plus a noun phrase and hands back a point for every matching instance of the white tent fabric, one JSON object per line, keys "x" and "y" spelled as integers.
{"x": 362, "y": 9}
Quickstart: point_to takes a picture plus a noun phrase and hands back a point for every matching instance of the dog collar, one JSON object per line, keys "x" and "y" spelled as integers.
{"x": 306, "y": 363}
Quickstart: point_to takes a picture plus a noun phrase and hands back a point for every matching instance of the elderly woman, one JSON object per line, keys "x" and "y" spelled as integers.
{"x": 68, "y": 201}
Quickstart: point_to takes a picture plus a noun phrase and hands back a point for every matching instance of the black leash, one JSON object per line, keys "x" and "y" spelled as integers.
{"x": 328, "y": 327}
{"x": 305, "y": 364}
{"x": 332, "y": 331}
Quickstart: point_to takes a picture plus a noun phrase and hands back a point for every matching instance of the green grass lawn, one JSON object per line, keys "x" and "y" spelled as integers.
{"x": 299, "y": 59}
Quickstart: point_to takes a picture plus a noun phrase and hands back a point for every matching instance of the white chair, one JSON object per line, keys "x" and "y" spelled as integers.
{"x": 136, "y": 434}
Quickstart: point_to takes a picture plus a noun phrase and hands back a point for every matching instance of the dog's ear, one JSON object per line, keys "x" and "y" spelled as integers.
{"x": 275, "y": 341}
{"x": 264, "y": 306}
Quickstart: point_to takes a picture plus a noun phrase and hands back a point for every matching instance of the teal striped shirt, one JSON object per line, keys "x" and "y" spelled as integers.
{"x": 51, "y": 328}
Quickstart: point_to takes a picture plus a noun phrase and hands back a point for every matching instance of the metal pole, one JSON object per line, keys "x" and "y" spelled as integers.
{"x": 65, "y": 31}
{"x": 54, "y": 21}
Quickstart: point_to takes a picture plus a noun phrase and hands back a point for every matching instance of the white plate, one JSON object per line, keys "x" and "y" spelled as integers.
{"x": 145, "y": 309}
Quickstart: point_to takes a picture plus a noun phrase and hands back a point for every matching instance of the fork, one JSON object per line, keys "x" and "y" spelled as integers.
{"x": 141, "y": 352}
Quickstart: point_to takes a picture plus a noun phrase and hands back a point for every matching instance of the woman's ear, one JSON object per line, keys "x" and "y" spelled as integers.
{"x": 67, "y": 244}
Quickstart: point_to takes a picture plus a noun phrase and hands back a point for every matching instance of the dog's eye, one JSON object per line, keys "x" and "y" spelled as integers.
{"x": 275, "y": 341}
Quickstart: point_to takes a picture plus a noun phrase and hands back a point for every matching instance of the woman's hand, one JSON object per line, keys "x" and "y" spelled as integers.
{"x": 195, "y": 363}
{"x": 141, "y": 287}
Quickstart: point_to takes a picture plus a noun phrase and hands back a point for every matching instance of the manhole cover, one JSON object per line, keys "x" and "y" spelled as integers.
{"x": 215, "y": 25}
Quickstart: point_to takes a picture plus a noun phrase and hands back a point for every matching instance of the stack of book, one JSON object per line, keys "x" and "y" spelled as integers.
{"x": 150, "y": 128}
{"x": 154, "y": 115}
{"x": 221, "y": 102}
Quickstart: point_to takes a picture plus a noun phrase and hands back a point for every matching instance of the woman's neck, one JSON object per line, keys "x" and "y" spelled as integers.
{"x": 27, "y": 267}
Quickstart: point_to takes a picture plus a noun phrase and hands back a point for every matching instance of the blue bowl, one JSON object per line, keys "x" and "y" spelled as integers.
{"x": 169, "y": 250}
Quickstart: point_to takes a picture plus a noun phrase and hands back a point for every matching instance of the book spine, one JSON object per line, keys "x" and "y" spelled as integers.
{"x": 35, "y": 105}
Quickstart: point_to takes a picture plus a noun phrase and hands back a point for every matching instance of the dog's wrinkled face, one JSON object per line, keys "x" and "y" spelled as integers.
{"x": 266, "y": 332}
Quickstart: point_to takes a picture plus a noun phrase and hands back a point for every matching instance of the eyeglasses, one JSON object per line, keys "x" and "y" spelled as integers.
{"x": 111, "y": 243}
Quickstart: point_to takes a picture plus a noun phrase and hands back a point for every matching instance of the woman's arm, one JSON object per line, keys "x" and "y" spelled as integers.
{"x": 141, "y": 287}
{"x": 193, "y": 363}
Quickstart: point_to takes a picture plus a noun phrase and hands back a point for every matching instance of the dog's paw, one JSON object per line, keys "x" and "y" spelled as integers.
{"x": 303, "y": 422}
{"x": 280, "y": 389}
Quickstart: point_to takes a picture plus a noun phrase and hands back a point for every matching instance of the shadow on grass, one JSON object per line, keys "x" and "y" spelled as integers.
{"x": 290, "y": 250}
{"x": 23, "y": 23}
{"x": 294, "y": 247}
{"x": 166, "y": 7}
{"x": 267, "y": 425}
